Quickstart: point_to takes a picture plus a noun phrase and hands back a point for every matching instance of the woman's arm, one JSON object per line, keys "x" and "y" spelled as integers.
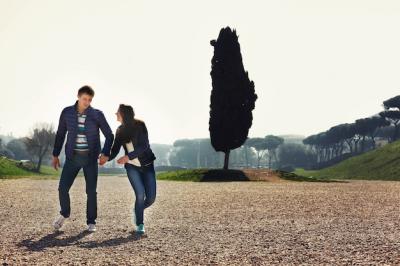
{"x": 142, "y": 143}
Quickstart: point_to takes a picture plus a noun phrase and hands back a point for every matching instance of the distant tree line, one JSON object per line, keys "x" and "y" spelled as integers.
{"x": 268, "y": 152}
{"x": 349, "y": 139}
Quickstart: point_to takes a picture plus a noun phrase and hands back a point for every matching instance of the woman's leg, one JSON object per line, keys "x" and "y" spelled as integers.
{"x": 135, "y": 179}
{"x": 149, "y": 181}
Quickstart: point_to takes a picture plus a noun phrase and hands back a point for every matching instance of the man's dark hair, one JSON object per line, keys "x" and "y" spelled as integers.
{"x": 86, "y": 90}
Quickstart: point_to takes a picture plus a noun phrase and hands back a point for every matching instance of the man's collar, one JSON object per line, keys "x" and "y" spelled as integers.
{"x": 76, "y": 107}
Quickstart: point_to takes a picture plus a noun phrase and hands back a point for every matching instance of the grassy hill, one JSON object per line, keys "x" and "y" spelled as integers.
{"x": 380, "y": 164}
{"x": 10, "y": 169}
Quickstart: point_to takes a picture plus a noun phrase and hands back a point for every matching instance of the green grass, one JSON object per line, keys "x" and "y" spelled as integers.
{"x": 380, "y": 164}
{"x": 308, "y": 173}
{"x": 9, "y": 169}
{"x": 302, "y": 178}
{"x": 182, "y": 175}
{"x": 48, "y": 170}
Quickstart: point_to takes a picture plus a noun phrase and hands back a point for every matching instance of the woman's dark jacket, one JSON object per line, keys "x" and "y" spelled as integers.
{"x": 141, "y": 145}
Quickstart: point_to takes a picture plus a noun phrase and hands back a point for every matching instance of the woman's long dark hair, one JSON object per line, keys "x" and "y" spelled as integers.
{"x": 130, "y": 126}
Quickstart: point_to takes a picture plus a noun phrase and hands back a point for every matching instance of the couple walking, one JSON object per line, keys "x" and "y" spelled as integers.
{"x": 83, "y": 150}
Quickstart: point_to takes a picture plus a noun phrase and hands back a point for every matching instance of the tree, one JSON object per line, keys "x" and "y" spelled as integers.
{"x": 246, "y": 148}
{"x": 370, "y": 126}
{"x": 4, "y": 151}
{"x": 349, "y": 132}
{"x": 18, "y": 148}
{"x": 272, "y": 143}
{"x": 295, "y": 155}
{"x": 162, "y": 153}
{"x": 232, "y": 97}
{"x": 194, "y": 153}
{"x": 392, "y": 114}
{"x": 260, "y": 145}
{"x": 39, "y": 142}
{"x": 183, "y": 153}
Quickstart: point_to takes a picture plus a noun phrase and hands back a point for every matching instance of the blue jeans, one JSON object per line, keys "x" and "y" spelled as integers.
{"x": 143, "y": 181}
{"x": 69, "y": 172}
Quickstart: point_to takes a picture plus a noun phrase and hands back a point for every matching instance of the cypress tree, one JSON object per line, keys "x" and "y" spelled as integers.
{"x": 232, "y": 97}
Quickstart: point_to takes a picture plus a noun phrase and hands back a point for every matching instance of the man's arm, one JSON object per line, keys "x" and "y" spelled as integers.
{"x": 115, "y": 148}
{"x": 60, "y": 135}
{"x": 107, "y": 132}
{"x": 142, "y": 143}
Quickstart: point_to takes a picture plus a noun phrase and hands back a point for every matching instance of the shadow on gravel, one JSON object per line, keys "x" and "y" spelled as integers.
{"x": 112, "y": 242}
{"x": 51, "y": 240}
{"x": 220, "y": 175}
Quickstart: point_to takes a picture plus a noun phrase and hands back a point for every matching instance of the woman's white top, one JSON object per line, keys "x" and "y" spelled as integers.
{"x": 130, "y": 148}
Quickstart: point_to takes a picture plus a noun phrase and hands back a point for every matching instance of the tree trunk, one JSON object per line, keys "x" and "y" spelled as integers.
{"x": 198, "y": 156}
{"x": 39, "y": 164}
{"x": 350, "y": 146}
{"x": 373, "y": 142}
{"x": 396, "y": 132}
{"x": 341, "y": 148}
{"x": 363, "y": 144}
{"x": 247, "y": 158}
{"x": 356, "y": 145}
{"x": 269, "y": 159}
{"x": 226, "y": 161}
{"x": 275, "y": 157}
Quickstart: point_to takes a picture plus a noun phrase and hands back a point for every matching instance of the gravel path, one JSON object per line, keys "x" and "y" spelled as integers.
{"x": 240, "y": 223}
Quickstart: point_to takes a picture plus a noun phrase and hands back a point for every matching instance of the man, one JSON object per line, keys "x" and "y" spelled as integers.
{"x": 82, "y": 149}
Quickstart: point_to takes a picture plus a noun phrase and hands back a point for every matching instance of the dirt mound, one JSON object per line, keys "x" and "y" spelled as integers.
{"x": 263, "y": 175}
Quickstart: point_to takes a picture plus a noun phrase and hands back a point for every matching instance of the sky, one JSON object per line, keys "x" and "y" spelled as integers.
{"x": 315, "y": 64}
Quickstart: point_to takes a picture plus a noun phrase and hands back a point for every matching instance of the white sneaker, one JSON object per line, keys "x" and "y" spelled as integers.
{"x": 92, "y": 228}
{"x": 58, "y": 223}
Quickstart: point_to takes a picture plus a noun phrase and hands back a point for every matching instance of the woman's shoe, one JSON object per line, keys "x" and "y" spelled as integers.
{"x": 140, "y": 229}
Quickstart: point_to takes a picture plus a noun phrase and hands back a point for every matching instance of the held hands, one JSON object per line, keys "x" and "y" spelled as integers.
{"x": 123, "y": 159}
{"x": 103, "y": 159}
{"x": 55, "y": 162}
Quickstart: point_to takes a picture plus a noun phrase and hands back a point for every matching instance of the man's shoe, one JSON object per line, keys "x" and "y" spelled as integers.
{"x": 140, "y": 229}
{"x": 59, "y": 221}
{"x": 91, "y": 227}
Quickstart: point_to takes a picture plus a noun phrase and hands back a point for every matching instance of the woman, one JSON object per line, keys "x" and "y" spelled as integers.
{"x": 138, "y": 160}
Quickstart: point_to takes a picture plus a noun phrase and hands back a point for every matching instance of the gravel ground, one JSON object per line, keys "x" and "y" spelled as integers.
{"x": 233, "y": 223}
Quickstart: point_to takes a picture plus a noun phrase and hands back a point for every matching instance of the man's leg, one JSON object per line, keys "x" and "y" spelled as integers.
{"x": 90, "y": 171}
{"x": 68, "y": 175}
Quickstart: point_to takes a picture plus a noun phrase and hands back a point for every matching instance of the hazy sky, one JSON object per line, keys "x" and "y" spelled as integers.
{"x": 315, "y": 64}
